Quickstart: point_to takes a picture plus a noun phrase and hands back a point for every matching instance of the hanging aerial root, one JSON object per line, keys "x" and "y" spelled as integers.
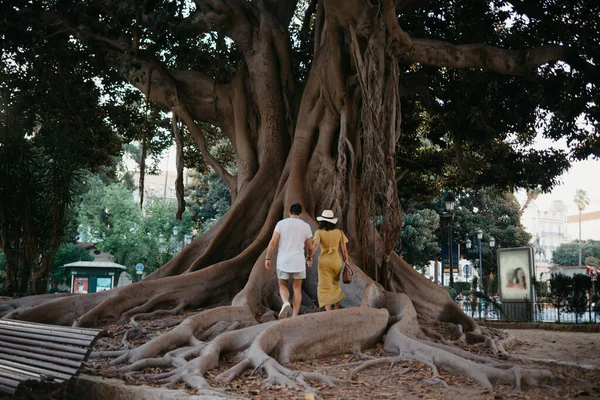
{"x": 306, "y": 337}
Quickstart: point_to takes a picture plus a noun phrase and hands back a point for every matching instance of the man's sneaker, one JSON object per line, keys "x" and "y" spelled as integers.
{"x": 285, "y": 309}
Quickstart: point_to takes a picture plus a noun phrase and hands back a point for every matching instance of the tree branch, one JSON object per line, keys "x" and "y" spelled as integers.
{"x": 482, "y": 56}
{"x": 200, "y": 141}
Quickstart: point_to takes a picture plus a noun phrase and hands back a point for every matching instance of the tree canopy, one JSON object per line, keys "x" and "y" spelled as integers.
{"x": 567, "y": 254}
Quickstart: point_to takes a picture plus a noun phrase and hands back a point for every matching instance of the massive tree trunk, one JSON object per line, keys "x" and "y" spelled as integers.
{"x": 328, "y": 145}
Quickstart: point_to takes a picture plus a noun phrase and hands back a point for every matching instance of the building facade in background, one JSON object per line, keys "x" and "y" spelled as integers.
{"x": 548, "y": 229}
{"x": 590, "y": 223}
{"x": 159, "y": 186}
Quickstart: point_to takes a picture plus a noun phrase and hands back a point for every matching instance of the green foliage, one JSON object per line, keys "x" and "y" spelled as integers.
{"x": 418, "y": 242}
{"x": 593, "y": 261}
{"x": 493, "y": 211}
{"x": 581, "y": 199}
{"x": 462, "y": 287}
{"x": 561, "y": 289}
{"x": 541, "y": 290}
{"x": 2, "y": 272}
{"x": 487, "y": 113}
{"x": 67, "y": 253}
{"x": 567, "y": 254}
{"x": 208, "y": 199}
{"x": 111, "y": 219}
{"x": 496, "y": 213}
{"x": 578, "y": 299}
{"x": 39, "y": 182}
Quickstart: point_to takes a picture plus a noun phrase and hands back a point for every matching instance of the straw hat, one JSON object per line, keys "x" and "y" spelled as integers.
{"x": 327, "y": 215}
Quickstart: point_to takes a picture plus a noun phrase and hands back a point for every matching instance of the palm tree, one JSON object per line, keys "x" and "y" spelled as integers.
{"x": 582, "y": 201}
{"x": 532, "y": 194}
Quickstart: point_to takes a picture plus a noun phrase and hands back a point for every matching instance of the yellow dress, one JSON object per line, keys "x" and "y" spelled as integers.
{"x": 330, "y": 266}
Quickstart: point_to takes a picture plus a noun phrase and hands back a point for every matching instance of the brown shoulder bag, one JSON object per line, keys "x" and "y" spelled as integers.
{"x": 347, "y": 273}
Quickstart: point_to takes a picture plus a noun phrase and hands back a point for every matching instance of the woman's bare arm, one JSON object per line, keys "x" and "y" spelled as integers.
{"x": 344, "y": 252}
{"x": 315, "y": 244}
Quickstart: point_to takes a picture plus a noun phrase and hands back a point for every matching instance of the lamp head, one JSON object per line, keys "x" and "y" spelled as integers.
{"x": 449, "y": 202}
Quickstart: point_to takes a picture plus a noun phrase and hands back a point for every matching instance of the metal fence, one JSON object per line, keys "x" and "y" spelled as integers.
{"x": 527, "y": 311}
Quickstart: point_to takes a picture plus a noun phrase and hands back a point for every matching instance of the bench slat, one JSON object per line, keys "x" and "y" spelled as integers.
{"x": 9, "y": 382}
{"x": 4, "y": 374}
{"x": 4, "y": 369}
{"x": 59, "y": 376}
{"x": 41, "y": 336}
{"x": 85, "y": 331}
{"x": 42, "y": 357}
{"x": 50, "y": 332}
{"x": 34, "y": 351}
{"x": 46, "y": 352}
{"x": 39, "y": 363}
{"x": 44, "y": 344}
{"x": 7, "y": 389}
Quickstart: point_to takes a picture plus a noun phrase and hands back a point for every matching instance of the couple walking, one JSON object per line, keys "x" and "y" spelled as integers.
{"x": 296, "y": 249}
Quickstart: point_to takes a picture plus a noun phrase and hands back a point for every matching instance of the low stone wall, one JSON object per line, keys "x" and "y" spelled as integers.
{"x": 588, "y": 328}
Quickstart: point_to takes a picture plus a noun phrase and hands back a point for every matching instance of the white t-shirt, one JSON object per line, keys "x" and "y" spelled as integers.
{"x": 293, "y": 232}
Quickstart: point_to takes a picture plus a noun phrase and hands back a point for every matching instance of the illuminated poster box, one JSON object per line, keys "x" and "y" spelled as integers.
{"x": 515, "y": 271}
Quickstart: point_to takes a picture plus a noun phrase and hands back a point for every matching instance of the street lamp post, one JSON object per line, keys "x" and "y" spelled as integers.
{"x": 479, "y": 237}
{"x": 449, "y": 203}
{"x": 467, "y": 269}
{"x": 175, "y": 241}
{"x": 492, "y": 243}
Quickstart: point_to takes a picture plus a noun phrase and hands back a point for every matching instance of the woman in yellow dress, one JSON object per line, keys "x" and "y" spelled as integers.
{"x": 331, "y": 240}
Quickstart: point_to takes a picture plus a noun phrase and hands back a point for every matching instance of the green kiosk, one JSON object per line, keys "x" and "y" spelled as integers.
{"x": 93, "y": 276}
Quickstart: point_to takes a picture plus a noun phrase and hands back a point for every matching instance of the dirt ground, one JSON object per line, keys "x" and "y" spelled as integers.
{"x": 411, "y": 380}
{"x": 581, "y": 348}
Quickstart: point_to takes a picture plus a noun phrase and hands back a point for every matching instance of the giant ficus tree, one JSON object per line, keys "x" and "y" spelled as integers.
{"x": 335, "y": 104}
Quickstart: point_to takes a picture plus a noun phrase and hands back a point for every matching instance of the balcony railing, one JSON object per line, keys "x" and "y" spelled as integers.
{"x": 548, "y": 233}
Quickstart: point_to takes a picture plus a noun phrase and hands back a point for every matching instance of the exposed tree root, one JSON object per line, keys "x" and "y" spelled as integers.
{"x": 185, "y": 334}
{"x": 330, "y": 333}
{"x": 437, "y": 356}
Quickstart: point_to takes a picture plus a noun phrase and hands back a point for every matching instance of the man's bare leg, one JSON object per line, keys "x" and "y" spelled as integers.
{"x": 285, "y": 296}
{"x": 337, "y": 306}
{"x": 327, "y": 307}
{"x": 284, "y": 292}
{"x": 297, "y": 297}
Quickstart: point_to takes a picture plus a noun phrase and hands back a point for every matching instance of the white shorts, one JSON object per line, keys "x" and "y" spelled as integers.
{"x": 290, "y": 275}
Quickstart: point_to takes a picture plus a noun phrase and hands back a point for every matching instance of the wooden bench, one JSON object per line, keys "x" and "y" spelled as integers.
{"x": 41, "y": 352}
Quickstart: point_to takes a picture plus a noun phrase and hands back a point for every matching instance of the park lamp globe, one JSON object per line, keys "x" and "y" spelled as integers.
{"x": 492, "y": 241}
{"x": 479, "y": 234}
{"x": 468, "y": 243}
{"x": 449, "y": 202}
{"x": 175, "y": 231}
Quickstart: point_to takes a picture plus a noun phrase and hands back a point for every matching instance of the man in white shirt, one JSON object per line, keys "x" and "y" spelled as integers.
{"x": 293, "y": 235}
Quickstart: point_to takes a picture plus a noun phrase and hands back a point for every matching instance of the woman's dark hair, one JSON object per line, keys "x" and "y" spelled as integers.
{"x": 516, "y": 279}
{"x": 326, "y": 225}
